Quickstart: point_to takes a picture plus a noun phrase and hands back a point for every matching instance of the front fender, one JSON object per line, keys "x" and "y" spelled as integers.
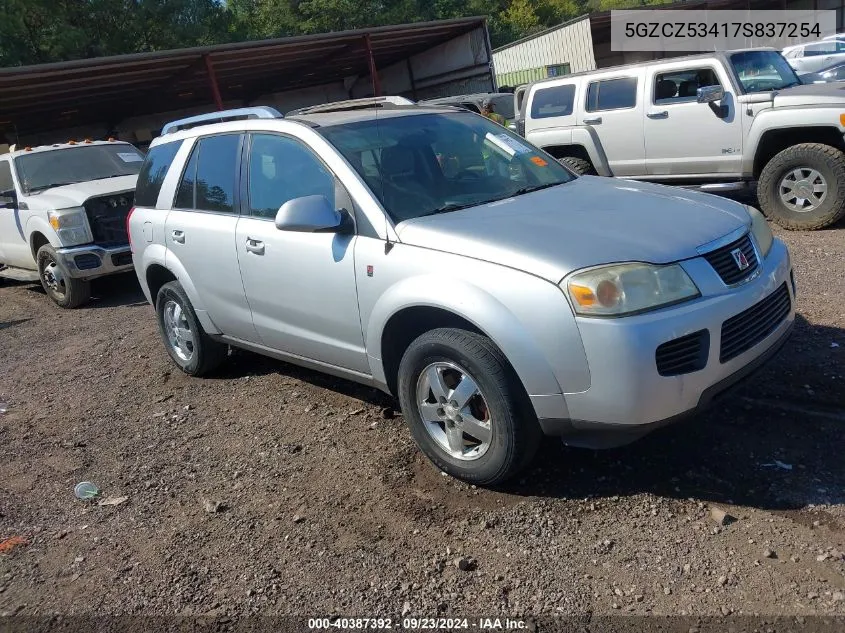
{"x": 785, "y": 119}
{"x": 38, "y": 224}
{"x": 529, "y": 321}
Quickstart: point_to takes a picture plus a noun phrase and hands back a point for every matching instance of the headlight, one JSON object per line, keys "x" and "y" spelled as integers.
{"x": 71, "y": 226}
{"x": 621, "y": 289}
{"x": 761, "y": 231}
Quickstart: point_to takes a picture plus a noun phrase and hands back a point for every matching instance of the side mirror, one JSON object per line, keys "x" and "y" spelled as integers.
{"x": 310, "y": 214}
{"x": 710, "y": 94}
{"x": 8, "y": 199}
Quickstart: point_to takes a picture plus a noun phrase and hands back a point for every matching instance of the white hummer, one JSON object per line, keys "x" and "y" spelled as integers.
{"x": 63, "y": 211}
{"x": 717, "y": 122}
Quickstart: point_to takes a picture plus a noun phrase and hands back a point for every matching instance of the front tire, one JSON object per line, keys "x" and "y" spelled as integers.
{"x": 466, "y": 408}
{"x": 193, "y": 351}
{"x": 64, "y": 290}
{"x": 803, "y": 187}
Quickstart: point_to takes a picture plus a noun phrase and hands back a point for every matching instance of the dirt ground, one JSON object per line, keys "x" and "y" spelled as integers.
{"x": 273, "y": 490}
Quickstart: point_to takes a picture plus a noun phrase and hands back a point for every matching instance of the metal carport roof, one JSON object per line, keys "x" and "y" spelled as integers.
{"x": 112, "y": 89}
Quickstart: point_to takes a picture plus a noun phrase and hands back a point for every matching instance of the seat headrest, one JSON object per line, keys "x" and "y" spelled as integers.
{"x": 397, "y": 160}
{"x": 666, "y": 89}
{"x": 688, "y": 89}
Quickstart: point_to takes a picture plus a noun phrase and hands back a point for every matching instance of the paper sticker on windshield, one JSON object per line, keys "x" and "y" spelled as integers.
{"x": 128, "y": 157}
{"x": 515, "y": 145}
{"x": 539, "y": 161}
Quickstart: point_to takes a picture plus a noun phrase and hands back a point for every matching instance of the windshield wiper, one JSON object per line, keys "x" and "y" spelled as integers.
{"x": 452, "y": 207}
{"x": 524, "y": 190}
{"x": 50, "y": 186}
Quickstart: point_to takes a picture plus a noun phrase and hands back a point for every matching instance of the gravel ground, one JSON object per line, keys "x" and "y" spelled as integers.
{"x": 273, "y": 490}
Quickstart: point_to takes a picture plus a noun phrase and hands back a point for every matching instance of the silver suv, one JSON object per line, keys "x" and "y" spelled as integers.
{"x": 435, "y": 255}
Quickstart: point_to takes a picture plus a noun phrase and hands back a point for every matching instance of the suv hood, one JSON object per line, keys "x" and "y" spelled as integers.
{"x": 586, "y": 222}
{"x": 810, "y": 94}
{"x": 75, "y": 195}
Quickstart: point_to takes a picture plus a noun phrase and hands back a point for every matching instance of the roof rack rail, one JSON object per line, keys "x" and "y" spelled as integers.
{"x": 238, "y": 114}
{"x": 353, "y": 104}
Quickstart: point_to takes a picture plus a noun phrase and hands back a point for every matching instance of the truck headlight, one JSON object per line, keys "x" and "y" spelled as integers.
{"x": 621, "y": 289}
{"x": 71, "y": 226}
{"x": 761, "y": 231}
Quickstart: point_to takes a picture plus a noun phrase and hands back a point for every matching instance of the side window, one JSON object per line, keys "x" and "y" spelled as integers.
{"x": 185, "y": 194}
{"x": 612, "y": 94}
{"x": 553, "y": 102}
{"x": 6, "y": 182}
{"x": 681, "y": 86}
{"x": 153, "y": 171}
{"x": 282, "y": 169}
{"x": 217, "y": 165}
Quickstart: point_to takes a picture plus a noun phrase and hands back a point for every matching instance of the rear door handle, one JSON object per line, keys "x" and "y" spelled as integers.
{"x": 178, "y": 237}
{"x": 593, "y": 121}
{"x": 659, "y": 114}
{"x": 254, "y": 246}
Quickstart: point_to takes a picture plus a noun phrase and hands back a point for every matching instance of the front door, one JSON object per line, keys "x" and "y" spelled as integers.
{"x": 614, "y": 110}
{"x": 301, "y": 287}
{"x": 14, "y": 249}
{"x": 200, "y": 232}
{"x": 683, "y": 136}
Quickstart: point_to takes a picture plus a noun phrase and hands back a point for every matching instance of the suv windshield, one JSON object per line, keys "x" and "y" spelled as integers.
{"x": 762, "y": 71}
{"x": 436, "y": 163}
{"x": 43, "y": 170}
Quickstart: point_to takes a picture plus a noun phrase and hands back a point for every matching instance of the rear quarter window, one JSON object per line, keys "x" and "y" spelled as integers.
{"x": 151, "y": 177}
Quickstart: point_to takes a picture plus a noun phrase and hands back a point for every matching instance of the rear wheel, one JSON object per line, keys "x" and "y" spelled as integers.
{"x": 64, "y": 290}
{"x": 188, "y": 345}
{"x": 803, "y": 187}
{"x": 465, "y": 406}
{"x": 578, "y": 165}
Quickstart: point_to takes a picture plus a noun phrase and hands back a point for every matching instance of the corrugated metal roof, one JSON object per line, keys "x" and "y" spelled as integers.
{"x": 66, "y": 94}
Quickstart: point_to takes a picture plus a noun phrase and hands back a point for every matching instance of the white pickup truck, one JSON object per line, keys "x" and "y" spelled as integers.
{"x": 63, "y": 211}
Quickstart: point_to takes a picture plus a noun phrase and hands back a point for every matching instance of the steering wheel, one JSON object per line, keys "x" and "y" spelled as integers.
{"x": 468, "y": 174}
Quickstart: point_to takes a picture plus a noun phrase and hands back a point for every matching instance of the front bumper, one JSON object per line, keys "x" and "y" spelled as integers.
{"x": 628, "y": 397}
{"x": 89, "y": 261}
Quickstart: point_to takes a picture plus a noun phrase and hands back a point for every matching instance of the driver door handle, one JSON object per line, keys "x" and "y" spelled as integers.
{"x": 178, "y": 237}
{"x": 254, "y": 246}
{"x": 593, "y": 121}
{"x": 658, "y": 114}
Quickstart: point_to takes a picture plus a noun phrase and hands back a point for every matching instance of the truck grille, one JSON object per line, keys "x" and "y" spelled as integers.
{"x": 724, "y": 263}
{"x": 107, "y": 217}
{"x": 743, "y": 331}
{"x": 683, "y": 355}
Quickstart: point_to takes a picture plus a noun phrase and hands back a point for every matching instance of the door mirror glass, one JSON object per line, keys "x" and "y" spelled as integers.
{"x": 310, "y": 214}
{"x": 710, "y": 94}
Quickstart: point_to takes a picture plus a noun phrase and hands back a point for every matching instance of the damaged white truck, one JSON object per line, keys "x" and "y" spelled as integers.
{"x": 63, "y": 211}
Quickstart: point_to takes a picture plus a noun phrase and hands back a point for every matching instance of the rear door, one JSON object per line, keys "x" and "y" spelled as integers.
{"x": 613, "y": 107}
{"x": 200, "y": 231}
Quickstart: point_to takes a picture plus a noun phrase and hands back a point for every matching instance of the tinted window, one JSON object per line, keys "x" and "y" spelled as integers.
{"x": 185, "y": 194}
{"x": 153, "y": 171}
{"x": 682, "y": 85}
{"x": 217, "y": 164}
{"x": 550, "y": 102}
{"x": 612, "y": 94}
{"x": 282, "y": 169}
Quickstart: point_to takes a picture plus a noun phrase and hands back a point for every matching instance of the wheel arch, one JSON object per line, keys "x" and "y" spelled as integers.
{"x": 774, "y": 141}
{"x": 399, "y": 317}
